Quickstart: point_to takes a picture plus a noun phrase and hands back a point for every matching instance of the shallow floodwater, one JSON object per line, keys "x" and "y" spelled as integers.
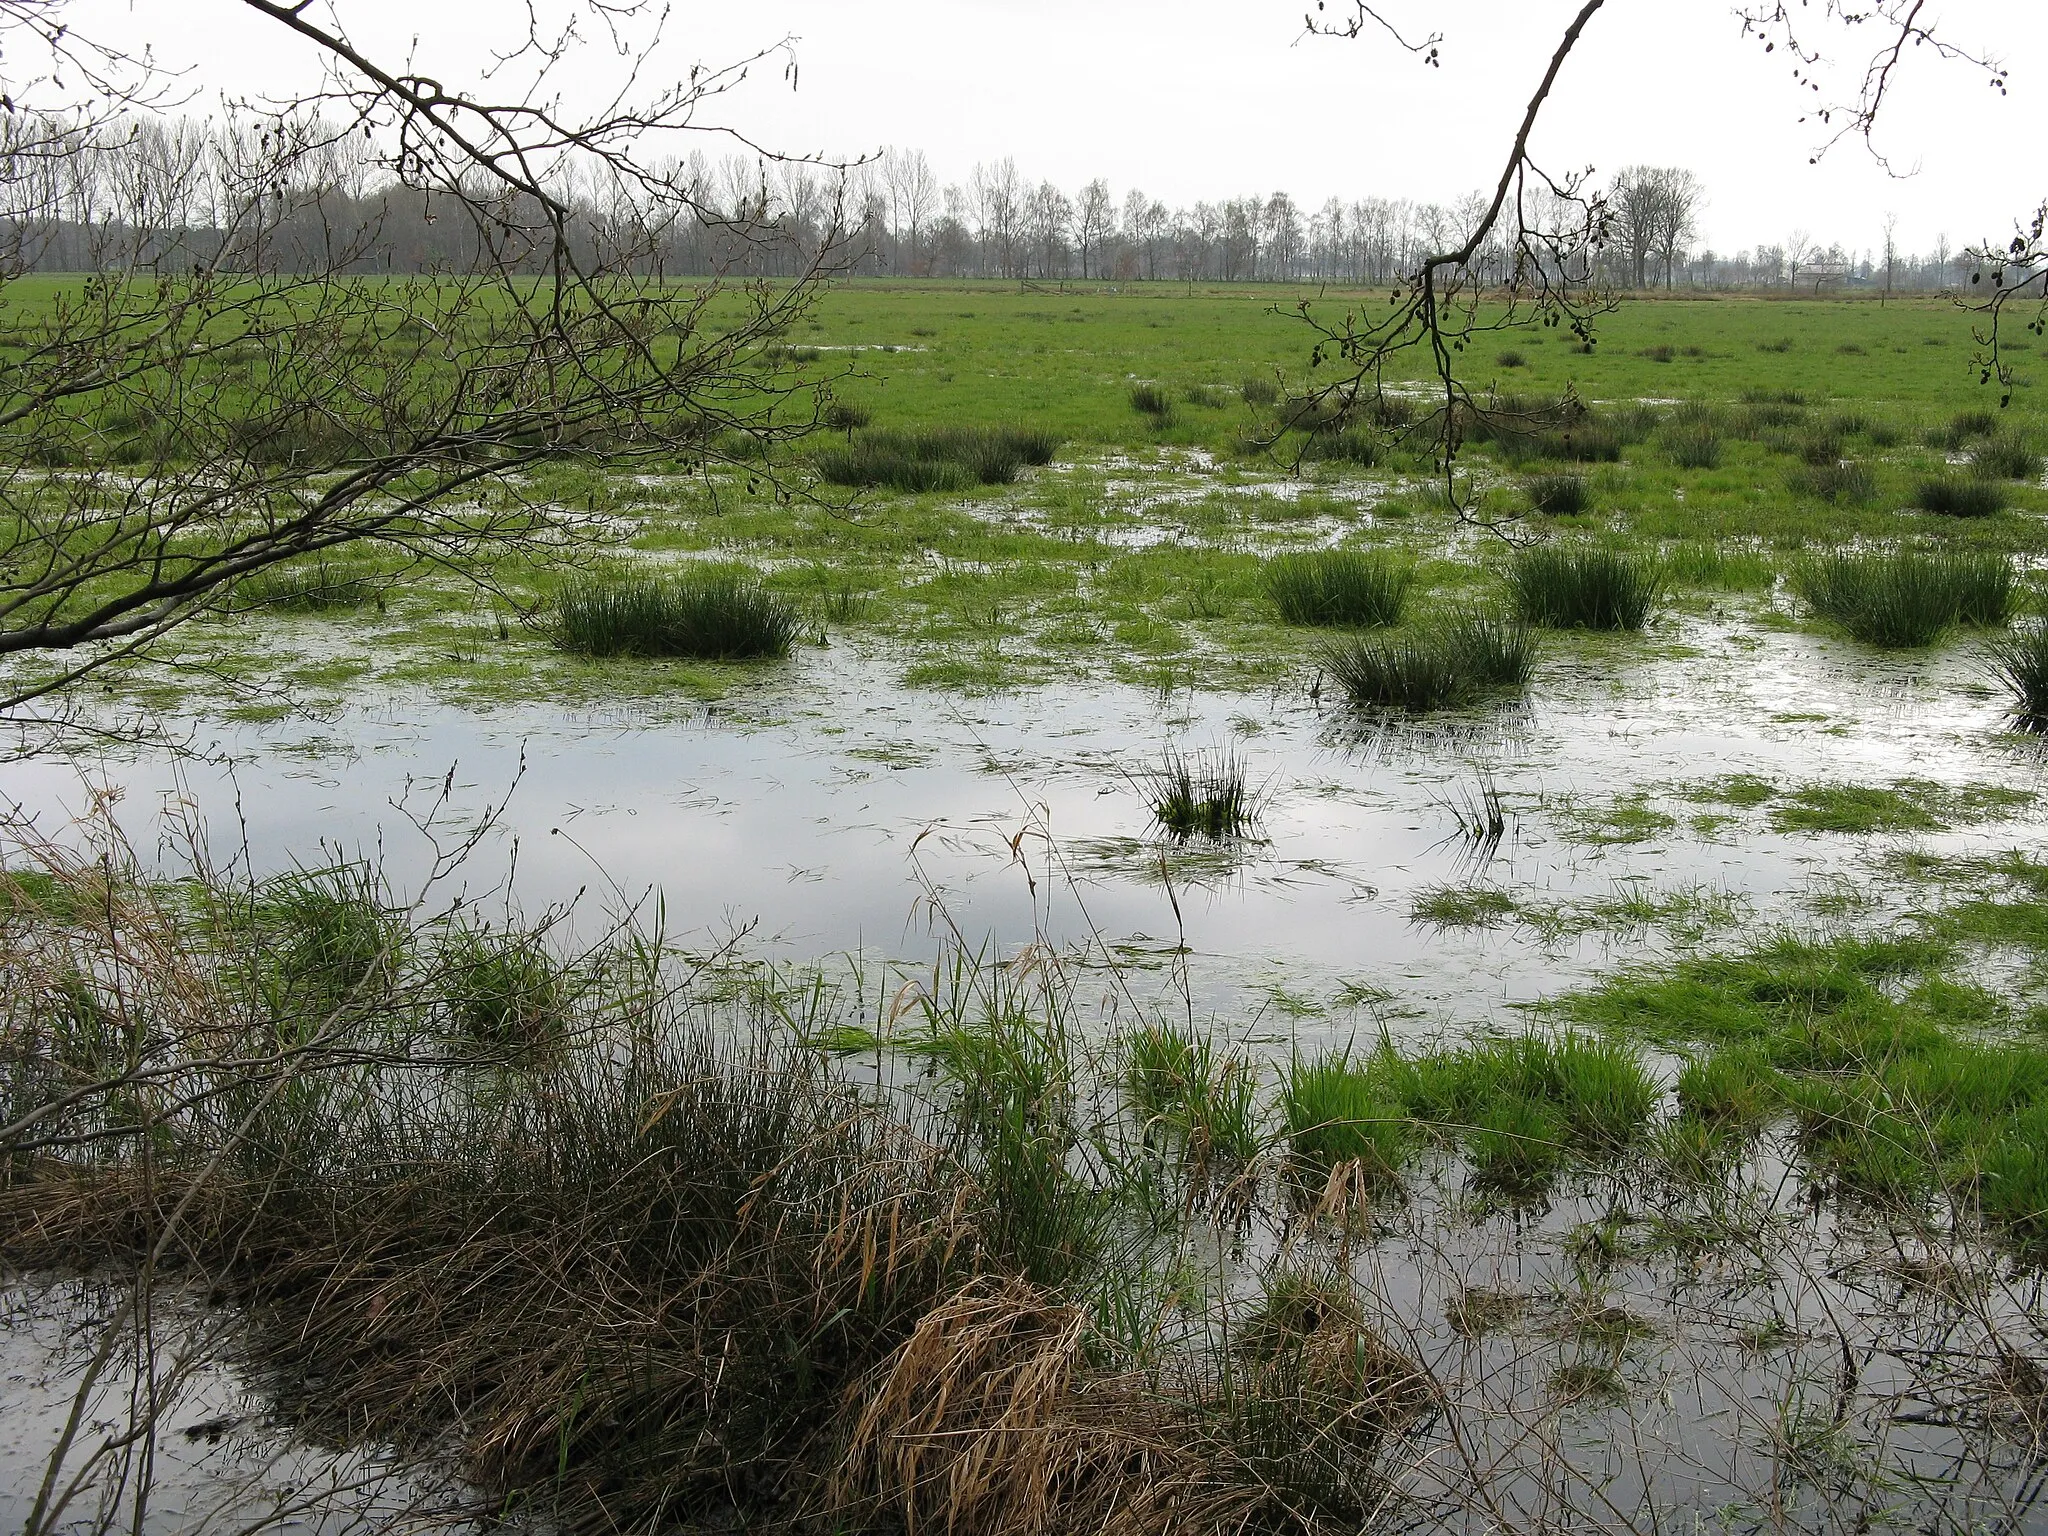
{"x": 827, "y": 810}
{"x": 151, "y": 1426}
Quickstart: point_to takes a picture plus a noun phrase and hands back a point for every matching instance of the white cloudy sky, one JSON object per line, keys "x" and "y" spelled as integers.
{"x": 1213, "y": 98}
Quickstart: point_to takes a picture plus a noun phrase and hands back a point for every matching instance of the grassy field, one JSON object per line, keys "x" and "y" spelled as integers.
{"x": 1739, "y": 437}
{"x": 1068, "y": 359}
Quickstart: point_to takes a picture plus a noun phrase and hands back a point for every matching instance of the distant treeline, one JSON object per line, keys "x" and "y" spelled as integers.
{"x": 169, "y": 193}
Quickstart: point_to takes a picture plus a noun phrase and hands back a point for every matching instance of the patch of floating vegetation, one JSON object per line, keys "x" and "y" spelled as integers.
{"x": 1625, "y": 818}
{"x": 1909, "y": 805}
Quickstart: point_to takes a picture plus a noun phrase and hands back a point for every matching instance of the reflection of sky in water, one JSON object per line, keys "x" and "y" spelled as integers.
{"x": 214, "y": 1459}
{"x": 805, "y": 826}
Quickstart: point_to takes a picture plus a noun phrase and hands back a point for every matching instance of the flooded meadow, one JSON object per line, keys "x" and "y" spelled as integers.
{"x": 1049, "y": 1047}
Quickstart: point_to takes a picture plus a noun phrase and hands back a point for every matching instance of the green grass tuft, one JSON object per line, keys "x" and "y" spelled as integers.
{"x": 2020, "y": 662}
{"x": 326, "y": 940}
{"x": 1339, "y": 587}
{"x": 1693, "y": 445}
{"x": 322, "y": 584}
{"x": 1561, "y": 586}
{"x": 1903, "y": 598}
{"x": 504, "y": 991}
{"x": 1150, "y": 399}
{"x": 1522, "y": 1107}
{"x": 2006, "y": 456}
{"x": 1957, "y": 496}
{"x": 1204, "y": 795}
{"x": 710, "y": 613}
{"x": 1178, "y": 1079}
{"x": 1965, "y": 427}
{"x": 1452, "y": 661}
{"x": 1336, "y": 1111}
{"x": 1845, "y": 482}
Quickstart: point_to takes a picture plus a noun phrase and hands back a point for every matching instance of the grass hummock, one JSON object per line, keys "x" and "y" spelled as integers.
{"x": 1691, "y": 435}
{"x": 710, "y": 613}
{"x": 1454, "y": 660}
{"x": 1561, "y": 586}
{"x": 2020, "y": 661}
{"x": 1904, "y": 598}
{"x": 1960, "y": 496}
{"x": 946, "y": 458}
{"x": 1564, "y": 495}
{"x": 1339, "y": 587}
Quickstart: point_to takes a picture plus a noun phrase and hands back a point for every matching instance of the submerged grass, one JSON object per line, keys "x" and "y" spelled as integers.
{"x": 1339, "y": 588}
{"x": 1521, "y": 1107}
{"x": 1206, "y": 794}
{"x": 322, "y": 584}
{"x": 1889, "y": 1102}
{"x": 711, "y": 613}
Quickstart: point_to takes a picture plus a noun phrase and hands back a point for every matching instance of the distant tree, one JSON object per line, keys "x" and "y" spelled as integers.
{"x": 913, "y": 199}
{"x": 1048, "y": 216}
{"x": 1679, "y": 201}
{"x": 998, "y": 197}
{"x": 1146, "y": 223}
{"x": 1094, "y": 221}
{"x": 1280, "y": 221}
{"x": 1634, "y": 219}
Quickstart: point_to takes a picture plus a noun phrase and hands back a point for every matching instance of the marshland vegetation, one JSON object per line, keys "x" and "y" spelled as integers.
{"x": 998, "y": 1234}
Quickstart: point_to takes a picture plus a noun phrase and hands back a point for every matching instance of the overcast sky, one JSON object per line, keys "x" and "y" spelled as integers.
{"x": 1215, "y": 98}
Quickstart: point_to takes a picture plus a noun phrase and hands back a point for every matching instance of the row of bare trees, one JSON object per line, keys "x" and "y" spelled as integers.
{"x": 165, "y": 191}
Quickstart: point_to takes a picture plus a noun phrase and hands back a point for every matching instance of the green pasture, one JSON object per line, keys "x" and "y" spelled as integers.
{"x": 1741, "y": 439}
{"x": 1068, "y": 359}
